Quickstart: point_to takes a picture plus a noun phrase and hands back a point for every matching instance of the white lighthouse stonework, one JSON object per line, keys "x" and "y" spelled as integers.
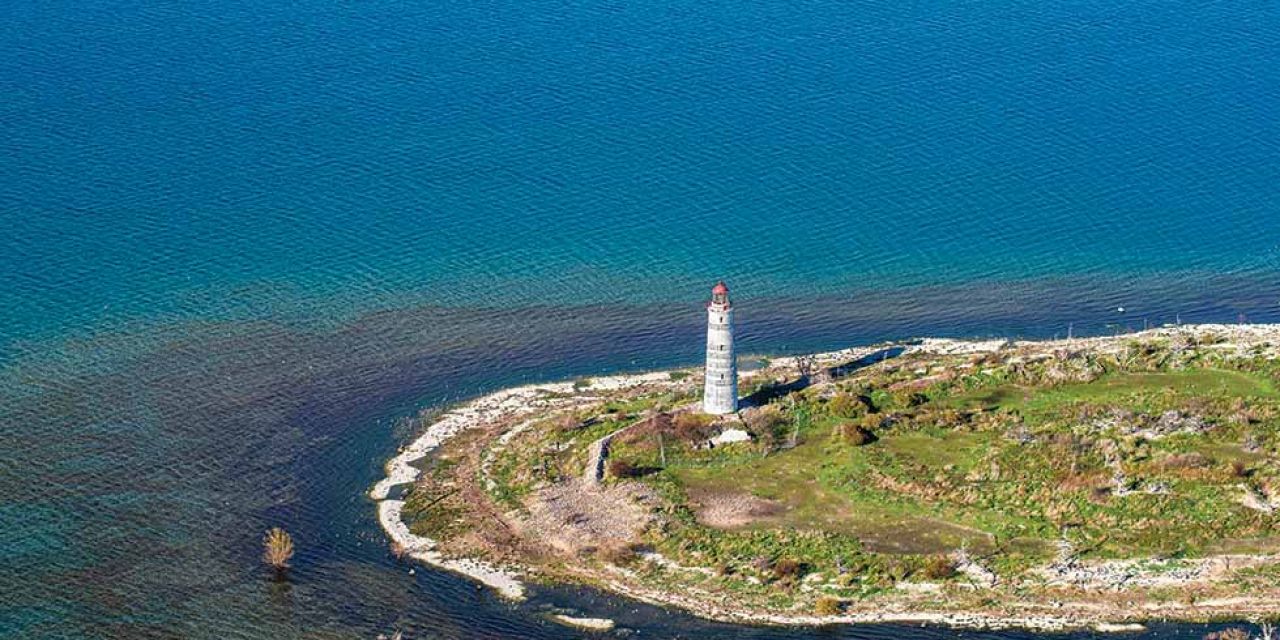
{"x": 720, "y": 389}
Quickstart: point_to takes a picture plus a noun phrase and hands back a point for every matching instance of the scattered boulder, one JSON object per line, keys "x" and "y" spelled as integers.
{"x": 730, "y": 436}
{"x": 1192, "y": 460}
{"x": 1149, "y": 427}
{"x": 1171, "y": 422}
{"x": 1252, "y": 443}
{"x": 1258, "y": 500}
{"x": 592, "y": 624}
{"x": 969, "y": 567}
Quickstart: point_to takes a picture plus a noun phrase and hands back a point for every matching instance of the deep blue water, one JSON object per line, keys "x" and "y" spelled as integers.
{"x": 243, "y": 240}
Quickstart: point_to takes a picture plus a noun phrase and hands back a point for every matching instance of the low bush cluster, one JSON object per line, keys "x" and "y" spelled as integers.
{"x": 788, "y": 569}
{"x": 827, "y": 606}
{"x": 939, "y": 567}
{"x": 692, "y": 427}
{"x": 622, "y": 469}
{"x": 619, "y": 555}
{"x": 856, "y": 434}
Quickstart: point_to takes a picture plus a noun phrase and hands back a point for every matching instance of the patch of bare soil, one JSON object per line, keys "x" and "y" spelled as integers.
{"x": 733, "y": 510}
{"x": 576, "y": 517}
{"x": 923, "y": 536}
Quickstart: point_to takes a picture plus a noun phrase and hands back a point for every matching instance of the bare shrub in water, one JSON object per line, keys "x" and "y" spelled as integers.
{"x": 277, "y": 549}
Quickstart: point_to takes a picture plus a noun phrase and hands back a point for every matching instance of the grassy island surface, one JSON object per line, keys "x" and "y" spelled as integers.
{"x": 1034, "y": 483}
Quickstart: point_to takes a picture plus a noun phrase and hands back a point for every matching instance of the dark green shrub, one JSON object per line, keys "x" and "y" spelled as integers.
{"x": 787, "y": 569}
{"x": 622, "y": 469}
{"x": 939, "y": 568}
{"x": 856, "y": 434}
{"x": 692, "y": 427}
{"x": 827, "y": 606}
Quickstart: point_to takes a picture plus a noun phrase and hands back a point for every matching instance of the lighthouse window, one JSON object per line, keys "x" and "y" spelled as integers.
{"x": 722, "y": 347}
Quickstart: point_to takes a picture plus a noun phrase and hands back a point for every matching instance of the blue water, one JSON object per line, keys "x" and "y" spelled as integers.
{"x": 243, "y": 239}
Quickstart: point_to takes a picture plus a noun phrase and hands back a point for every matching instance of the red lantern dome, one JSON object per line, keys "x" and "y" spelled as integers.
{"x": 719, "y": 296}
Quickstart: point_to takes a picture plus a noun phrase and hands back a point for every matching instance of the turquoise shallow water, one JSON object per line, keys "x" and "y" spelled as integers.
{"x": 242, "y": 240}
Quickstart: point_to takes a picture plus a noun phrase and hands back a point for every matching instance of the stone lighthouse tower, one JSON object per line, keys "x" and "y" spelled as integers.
{"x": 720, "y": 390}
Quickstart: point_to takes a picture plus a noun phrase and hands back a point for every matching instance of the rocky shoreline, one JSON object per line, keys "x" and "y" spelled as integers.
{"x": 504, "y": 404}
{"x": 518, "y": 407}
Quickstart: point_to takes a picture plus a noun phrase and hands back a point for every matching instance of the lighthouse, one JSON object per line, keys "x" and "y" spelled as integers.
{"x": 720, "y": 389}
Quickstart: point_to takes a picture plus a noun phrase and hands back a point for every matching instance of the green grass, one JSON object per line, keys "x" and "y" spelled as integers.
{"x": 924, "y": 488}
{"x": 1188, "y": 383}
{"x": 962, "y": 449}
{"x": 817, "y": 484}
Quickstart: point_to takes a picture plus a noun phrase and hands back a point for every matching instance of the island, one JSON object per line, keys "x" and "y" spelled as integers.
{"x": 1090, "y": 482}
